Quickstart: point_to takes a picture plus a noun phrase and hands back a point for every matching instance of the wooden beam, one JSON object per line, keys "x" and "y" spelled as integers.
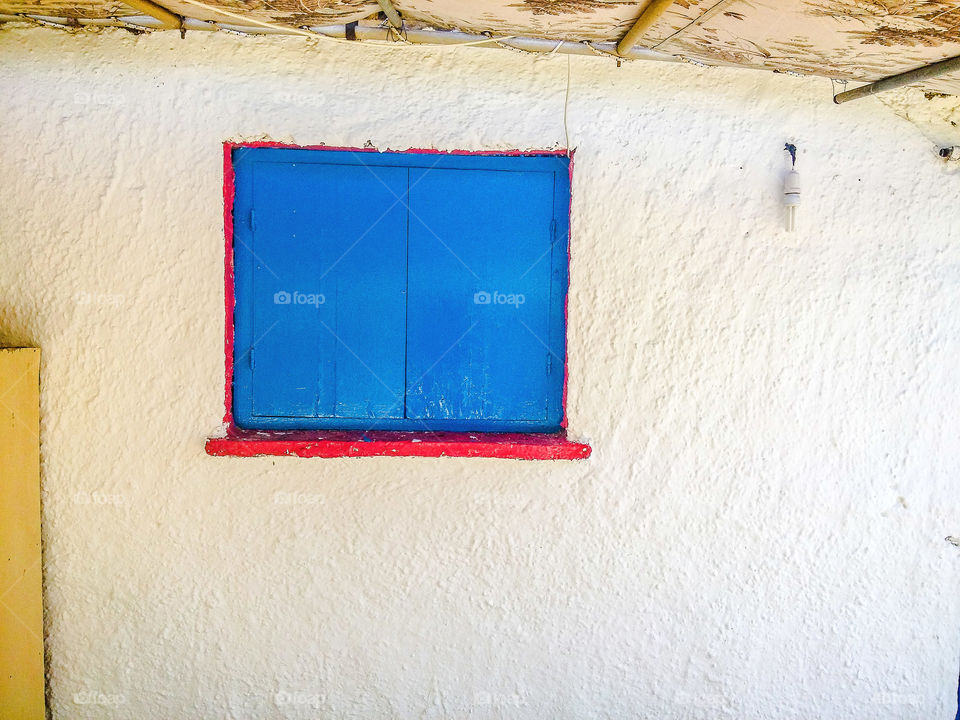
{"x": 651, "y": 13}
{"x": 171, "y": 21}
{"x": 391, "y": 12}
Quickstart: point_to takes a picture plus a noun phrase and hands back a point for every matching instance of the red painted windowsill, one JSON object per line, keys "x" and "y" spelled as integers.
{"x": 342, "y": 443}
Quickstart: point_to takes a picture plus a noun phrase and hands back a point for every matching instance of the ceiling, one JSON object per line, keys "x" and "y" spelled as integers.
{"x": 842, "y": 39}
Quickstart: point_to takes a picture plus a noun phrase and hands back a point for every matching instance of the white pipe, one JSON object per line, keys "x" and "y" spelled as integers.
{"x": 370, "y": 32}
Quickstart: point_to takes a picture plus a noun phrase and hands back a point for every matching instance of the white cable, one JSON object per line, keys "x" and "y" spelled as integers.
{"x": 566, "y": 103}
{"x": 312, "y": 34}
{"x": 47, "y": 23}
{"x": 231, "y": 31}
{"x": 602, "y": 53}
{"x": 247, "y": 19}
{"x": 135, "y": 28}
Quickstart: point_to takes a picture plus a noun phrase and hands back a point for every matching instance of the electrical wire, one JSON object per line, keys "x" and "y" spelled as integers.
{"x": 312, "y": 34}
{"x": 46, "y": 23}
{"x": 566, "y": 105}
{"x": 602, "y": 53}
{"x": 305, "y": 31}
{"x": 248, "y": 19}
{"x": 492, "y": 39}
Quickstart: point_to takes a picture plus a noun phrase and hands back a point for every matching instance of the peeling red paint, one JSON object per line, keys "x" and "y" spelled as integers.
{"x": 423, "y": 151}
{"x": 245, "y": 443}
{"x": 228, "y": 192}
{"x": 566, "y": 298}
{"x": 516, "y": 446}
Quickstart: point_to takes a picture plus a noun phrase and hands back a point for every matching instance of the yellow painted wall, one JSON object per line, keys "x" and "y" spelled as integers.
{"x": 21, "y": 604}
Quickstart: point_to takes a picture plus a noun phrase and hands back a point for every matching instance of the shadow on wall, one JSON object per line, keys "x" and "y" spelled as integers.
{"x": 17, "y": 326}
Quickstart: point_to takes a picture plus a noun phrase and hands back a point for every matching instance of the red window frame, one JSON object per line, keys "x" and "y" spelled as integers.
{"x": 239, "y": 442}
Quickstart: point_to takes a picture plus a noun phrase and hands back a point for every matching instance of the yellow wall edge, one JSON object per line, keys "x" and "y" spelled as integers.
{"x": 21, "y": 572}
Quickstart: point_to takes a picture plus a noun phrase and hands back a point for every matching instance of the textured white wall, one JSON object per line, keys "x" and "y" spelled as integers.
{"x": 759, "y": 533}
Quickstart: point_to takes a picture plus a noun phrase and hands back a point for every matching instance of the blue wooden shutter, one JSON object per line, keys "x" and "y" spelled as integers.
{"x": 487, "y": 278}
{"x": 321, "y": 279}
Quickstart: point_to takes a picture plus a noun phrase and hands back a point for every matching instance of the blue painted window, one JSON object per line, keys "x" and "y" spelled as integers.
{"x": 399, "y": 291}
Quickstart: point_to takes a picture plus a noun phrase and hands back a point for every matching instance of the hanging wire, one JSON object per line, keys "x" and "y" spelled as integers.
{"x": 566, "y": 105}
{"x": 544, "y": 56}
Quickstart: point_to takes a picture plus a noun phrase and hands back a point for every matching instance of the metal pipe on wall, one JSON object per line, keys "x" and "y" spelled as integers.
{"x": 927, "y": 72}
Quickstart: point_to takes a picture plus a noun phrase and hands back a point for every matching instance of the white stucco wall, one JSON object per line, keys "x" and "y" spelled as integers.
{"x": 760, "y": 530}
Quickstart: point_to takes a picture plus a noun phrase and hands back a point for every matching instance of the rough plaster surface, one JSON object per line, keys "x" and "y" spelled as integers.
{"x": 937, "y": 116}
{"x": 760, "y": 530}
